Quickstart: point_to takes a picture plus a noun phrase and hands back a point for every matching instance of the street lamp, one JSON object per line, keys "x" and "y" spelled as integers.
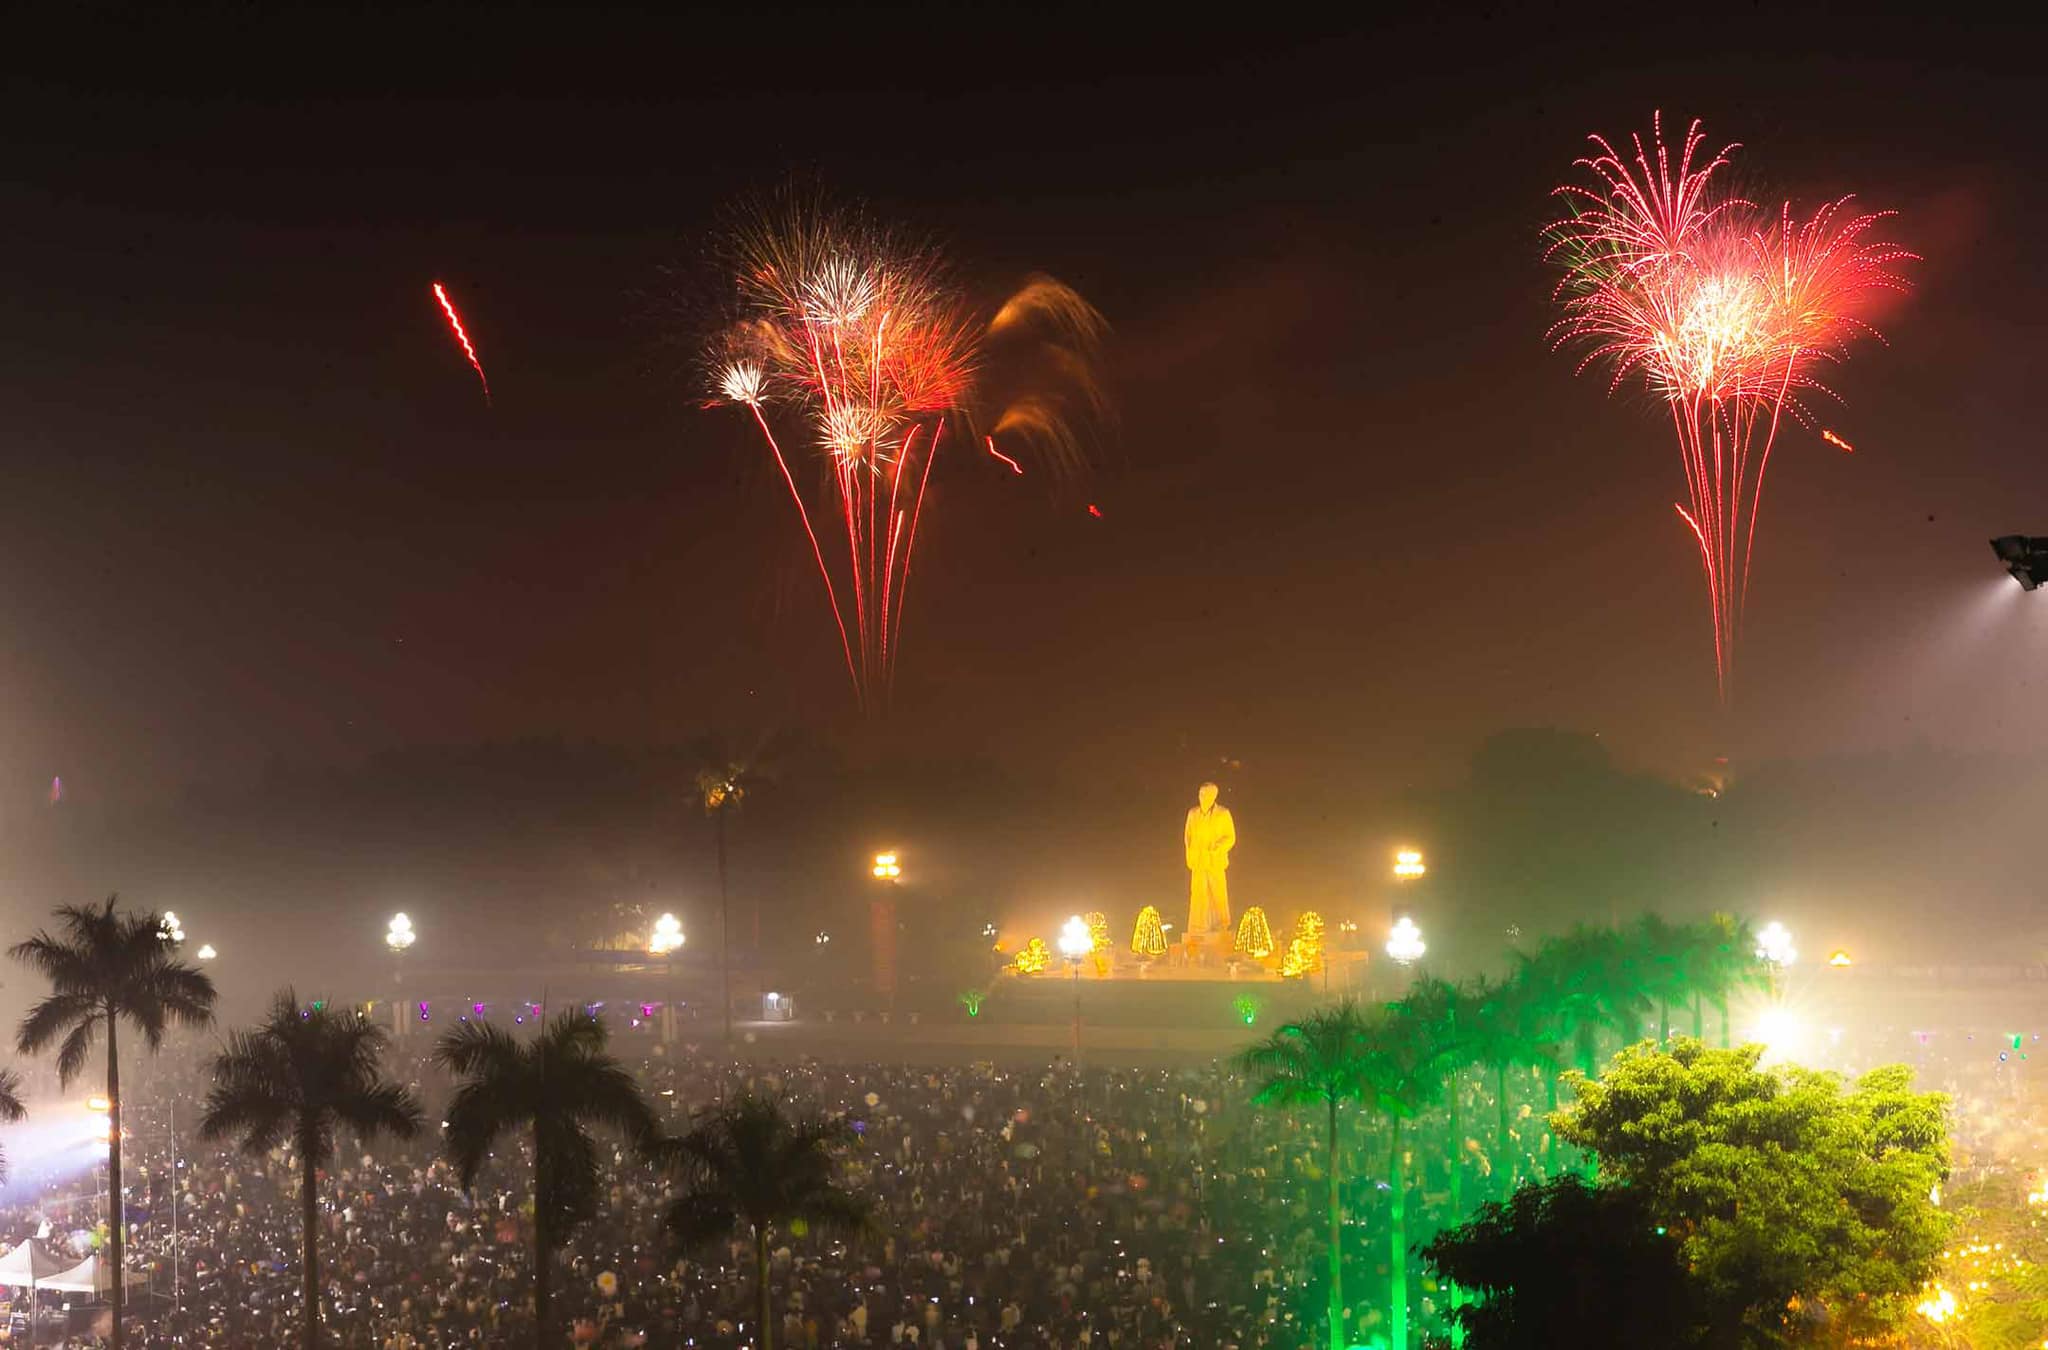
{"x": 206, "y": 952}
{"x": 667, "y": 936}
{"x": 1408, "y": 864}
{"x": 398, "y": 935}
{"x": 1077, "y": 939}
{"x": 882, "y": 925}
{"x": 886, "y": 867}
{"x": 169, "y": 929}
{"x": 1405, "y": 943}
{"x": 1774, "y": 945}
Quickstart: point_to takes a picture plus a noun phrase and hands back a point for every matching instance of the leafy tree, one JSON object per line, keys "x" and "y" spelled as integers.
{"x": 1995, "y": 1267}
{"x": 296, "y": 1077}
{"x": 1800, "y": 1209}
{"x": 555, "y": 1086}
{"x": 108, "y": 967}
{"x": 1319, "y": 1061}
{"x": 747, "y": 1162}
{"x": 1565, "y": 1263}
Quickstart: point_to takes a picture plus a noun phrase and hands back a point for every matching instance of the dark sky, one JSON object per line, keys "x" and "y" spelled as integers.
{"x": 1355, "y": 515}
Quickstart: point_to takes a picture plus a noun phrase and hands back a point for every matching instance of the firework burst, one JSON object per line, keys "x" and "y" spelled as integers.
{"x": 1724, "y": 311}
{"x": 865, "y": 339}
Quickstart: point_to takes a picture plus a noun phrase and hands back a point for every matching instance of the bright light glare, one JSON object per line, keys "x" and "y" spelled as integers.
{"x": 1782, "y": 1033}
{"x": 1076, "y": 938}
{"x": 399, "y": 935}
{"x": 1408, "y": 864}
{"x": 1774, "y": 945}
{"x": 1405, "y": 943}
{"x": 886, "y": 867}
{"x": 668, "y": 935}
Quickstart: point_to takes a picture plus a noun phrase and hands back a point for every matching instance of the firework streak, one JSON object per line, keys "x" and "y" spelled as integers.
{"x": 868, "y": 341}
{"x": 461, "y": 336}
{"x": 1725, "y": 311}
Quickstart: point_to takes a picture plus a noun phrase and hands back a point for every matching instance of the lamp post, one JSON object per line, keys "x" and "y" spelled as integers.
{"x": 1405, "y": 944}
{"x": 1774, "y": 948}
{"x": 1076, "y": 941}
{"x": 398, "y": 935}
{"x": 666, "y": 940}
{"x": 887, "y": 871}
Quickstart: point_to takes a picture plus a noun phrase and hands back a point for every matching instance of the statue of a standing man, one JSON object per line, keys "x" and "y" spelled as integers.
{"x": 1210, "y": 835}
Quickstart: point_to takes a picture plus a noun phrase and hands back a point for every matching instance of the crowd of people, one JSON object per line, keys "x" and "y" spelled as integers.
{"x": 1043, "y": 1207}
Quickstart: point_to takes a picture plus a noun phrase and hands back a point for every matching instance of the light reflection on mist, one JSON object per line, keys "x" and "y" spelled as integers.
{"x": 62, "y": 1140}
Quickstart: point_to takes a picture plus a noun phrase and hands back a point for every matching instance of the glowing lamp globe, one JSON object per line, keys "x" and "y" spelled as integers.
{"x": 886, "y": 867}
{"x": 1405, "y": 943}
{"x": 398, "y": 934}
{"x": 1076, "y": 939}
{"x": 206, "y": 952}
{"x": 667, "y": 937}
{"x": 169, "y": 929}
{"x": 1408, "y": 864}
{"x": 1774, "y": 945}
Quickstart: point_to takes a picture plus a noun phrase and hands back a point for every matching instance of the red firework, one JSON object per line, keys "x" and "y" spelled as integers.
{"x": 1725, "y": 311}
{"x": 462, "y": 336}
{"x": 867, "y": 338}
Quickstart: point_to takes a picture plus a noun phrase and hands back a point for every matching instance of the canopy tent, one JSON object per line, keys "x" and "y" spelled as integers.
{"x": 87, "y": 1277}
{"x": 31, "y": 1264}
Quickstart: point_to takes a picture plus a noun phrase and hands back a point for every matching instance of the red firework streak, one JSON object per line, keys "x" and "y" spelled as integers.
{"x": 1015, "y": 467}
{"x": 1726, "y": 311}
{"x": 1832, "y": 439}
{"x": 461, "y": 336}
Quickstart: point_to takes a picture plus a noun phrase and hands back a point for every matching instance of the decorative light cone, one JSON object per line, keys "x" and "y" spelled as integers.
{"x": 1035, "y": 957}
{"x": 1305, "y": 948}
{"x": 1148, "y": 939}
{"x": 1254, "y": 935}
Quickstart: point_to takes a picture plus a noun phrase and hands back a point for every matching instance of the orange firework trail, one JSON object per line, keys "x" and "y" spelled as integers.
{"x": 1832, "y": 439}
{"x": 1725, "y": 311}
{"x": 461, "y": 336}
{"x": 868, "y": 340}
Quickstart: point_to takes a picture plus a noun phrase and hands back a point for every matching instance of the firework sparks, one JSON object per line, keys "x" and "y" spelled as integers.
{"x": 865, "y": 338}
{"x": 1725, "y": 312}
{"x": 1832, "y": 439}
{"x": 462, "y": 336}
{"x": 1015, "y": 467}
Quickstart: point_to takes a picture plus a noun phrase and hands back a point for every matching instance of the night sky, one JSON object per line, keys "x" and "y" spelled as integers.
{"x": 1355, "y": 515}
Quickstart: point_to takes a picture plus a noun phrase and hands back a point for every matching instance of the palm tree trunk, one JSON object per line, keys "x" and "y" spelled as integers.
{"x": 309, "y": 1221}
{"x": 724, "y": 927}
{"x": 1507, "y": 1163}
{"x": 1663, "y": 1022}
{"x": 1336, "y": 1242}
{"x": 1725, "y": 1041}
{"x": 1549, "y": 1138}
{"x": 116, "y": 1220}
{"x": 1397, "y": 1243}
{"x": 1699, "y": 1021}
{"x": 543, "y": 1251}
{"x": 1456, "y": 1156}
{"x": 761, "y": 1281}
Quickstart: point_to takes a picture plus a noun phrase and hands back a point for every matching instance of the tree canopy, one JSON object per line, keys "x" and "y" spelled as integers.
{"x": 1802, "y": 1210}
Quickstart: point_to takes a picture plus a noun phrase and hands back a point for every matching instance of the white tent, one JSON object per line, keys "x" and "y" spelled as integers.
{"x": 87, "y": 1277}
{"x": 30, "y": 1264}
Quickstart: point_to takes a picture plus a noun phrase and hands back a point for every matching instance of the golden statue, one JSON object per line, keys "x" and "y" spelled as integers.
{"x": 1209, "y": 836}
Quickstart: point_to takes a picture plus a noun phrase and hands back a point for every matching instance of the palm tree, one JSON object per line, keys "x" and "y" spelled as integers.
{"x": 1729, "y": 964}
{"x": 107, "y": 967}
{"x": 296, "y": 1077}
{"x": 554, "y": 1086}
{"x": 1506, "y": 1035}
{"x": 1401, "y": 1077}
{"x": 748, "y": 1162}
{"x": 1318, "y": 1061}
{"x": 12, "y": 1111}
{"x": 1657, "y": 950}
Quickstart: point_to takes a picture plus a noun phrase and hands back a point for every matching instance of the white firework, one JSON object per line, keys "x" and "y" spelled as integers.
{"x": 841, "y": 291}
{"x": 741, "y": 382}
